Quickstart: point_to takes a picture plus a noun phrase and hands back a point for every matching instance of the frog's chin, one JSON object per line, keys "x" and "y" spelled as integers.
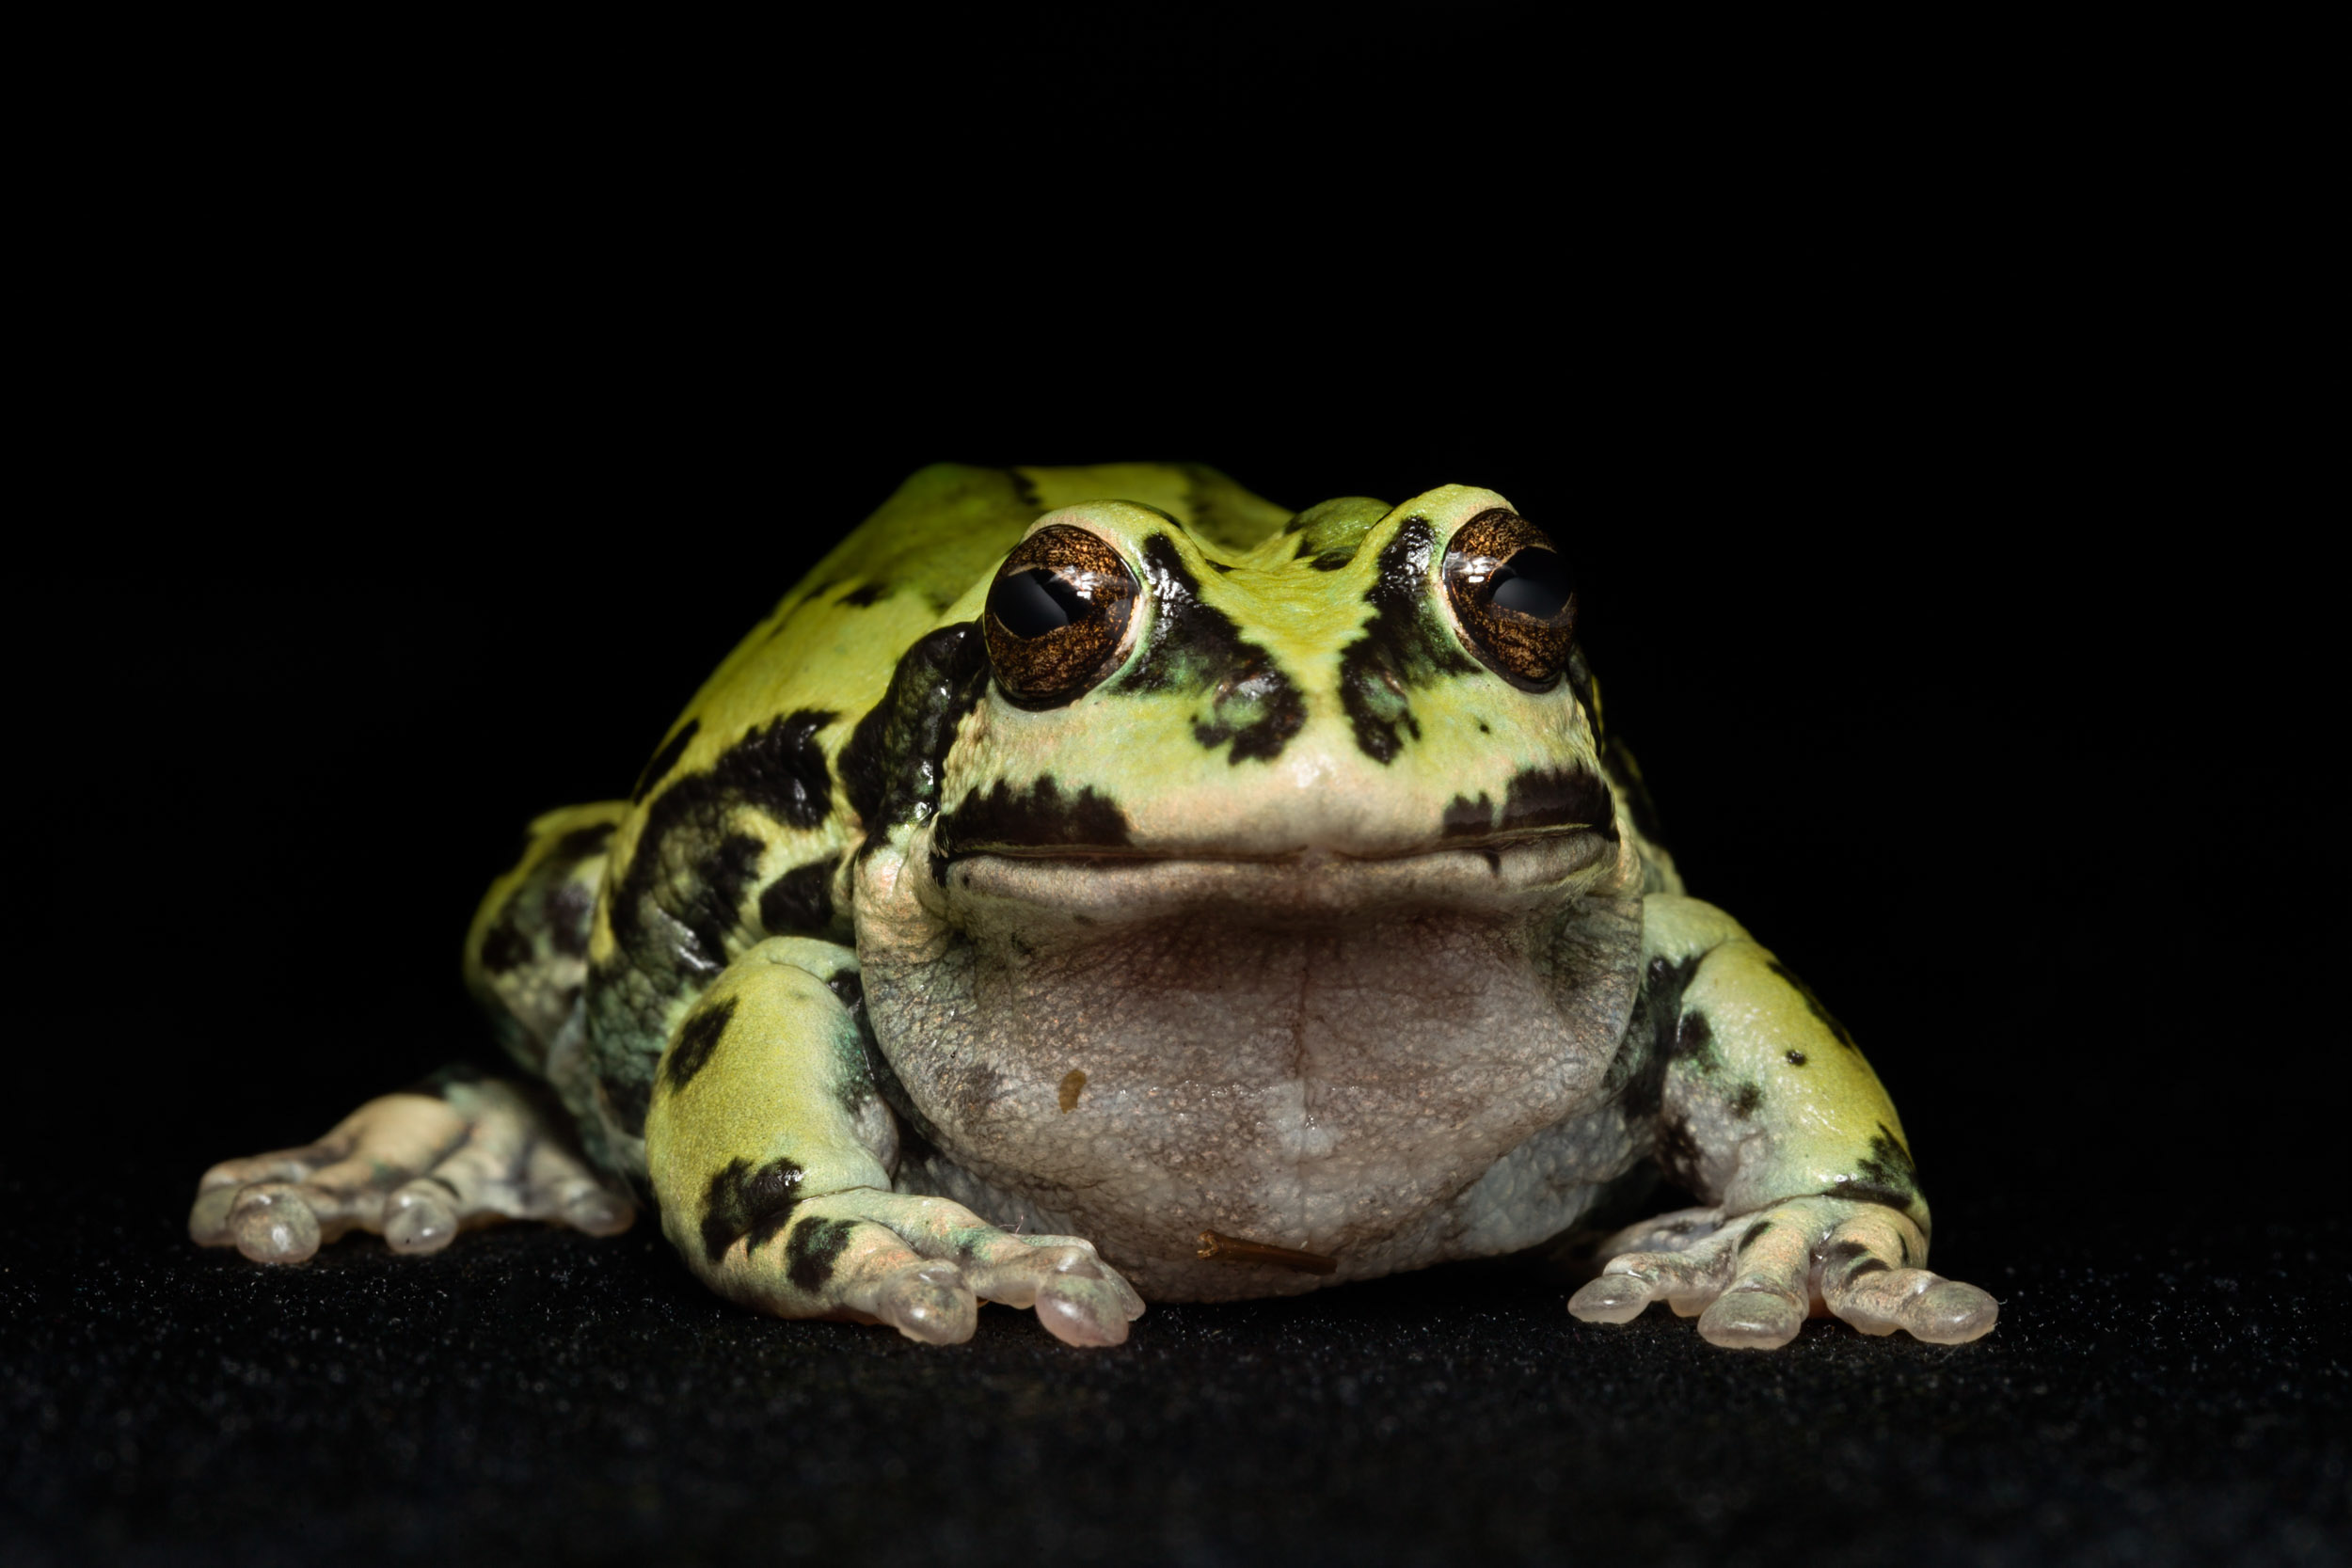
{"x": 1499, "y": 875}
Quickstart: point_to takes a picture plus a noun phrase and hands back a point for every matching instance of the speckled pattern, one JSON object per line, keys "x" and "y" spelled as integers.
{"x": 534, "y": 1393}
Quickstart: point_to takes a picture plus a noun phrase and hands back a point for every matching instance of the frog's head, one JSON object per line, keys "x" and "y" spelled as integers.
{"x": 1257, "y": 878}
{"x": 1375, "y": 705}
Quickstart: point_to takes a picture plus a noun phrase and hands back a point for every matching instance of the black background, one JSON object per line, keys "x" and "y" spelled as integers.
{"x": 1938, "y": 508}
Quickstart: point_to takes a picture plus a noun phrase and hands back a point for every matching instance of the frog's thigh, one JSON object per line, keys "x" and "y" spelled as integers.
{"x": 769, "y": 1149}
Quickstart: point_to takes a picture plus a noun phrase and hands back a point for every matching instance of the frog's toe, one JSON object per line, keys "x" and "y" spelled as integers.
{"x": 1866, "y": 1278}
{"x": 923, "y": 1265}
{"x": 1753, "y": 1281}
{"x": 417, "y": 1168}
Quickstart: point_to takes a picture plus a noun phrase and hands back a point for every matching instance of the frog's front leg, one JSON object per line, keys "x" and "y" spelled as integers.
{"x": 1767, "y": 1110}
{"x": 459, "y": 1151}
{"x": 769, "y": 1147}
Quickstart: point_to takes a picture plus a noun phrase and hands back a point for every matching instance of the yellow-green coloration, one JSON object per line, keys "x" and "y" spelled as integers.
{"x": 1199, "y": 868}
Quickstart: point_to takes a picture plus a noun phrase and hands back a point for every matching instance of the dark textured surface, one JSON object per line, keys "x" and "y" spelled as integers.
{"x": 2176, "y": 1397}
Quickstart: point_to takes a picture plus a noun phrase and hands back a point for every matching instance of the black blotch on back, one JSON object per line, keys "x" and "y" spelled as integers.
{"x": 747, "y": 1201}
{"x": 810, "y": 1254}
{"x": 1748, "y": 1096}
{"x": 1402, "y": 647}
{"x": 658, "y": 767}
{"x": 892, "y": 762}
{"x": 1039, "y": 817}
{"x": 1559, "y": 798}
{"x": 776, "y": 770}
{"x": 1813, "y": 1003}
{"x": 696, "y": 1039}
{"x": 800, "y": 901}
{"x": 1194, "y": 648}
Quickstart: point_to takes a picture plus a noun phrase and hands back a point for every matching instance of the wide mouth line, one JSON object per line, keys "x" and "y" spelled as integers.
{"x": 1305, "y": 855}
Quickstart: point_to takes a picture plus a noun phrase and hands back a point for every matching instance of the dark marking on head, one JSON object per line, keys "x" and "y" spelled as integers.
{"x": 891, "y": 767}
{"x": 864, "y": 595}
{"x": 1746, "y": 1099}
{"x": 1219, "y": 567}
{"x": 658, "y": 767}
{"x": 698, "y": 1037}
{"x": 1403, "y": 646}
{"x": 1753, "y": 1234}
{"x": 1796, "y": 1058}
{"x": 1813, "y": 1003}
{"x": 1024, "y": 490}
{"x": 1194, "y": 648}
{"x": 1331, "y": 561}
{"x": 1466, "y": 818}
{"x": 815, "y": 1246}
{"x": 1006, "y": 817}
{"x": 747, "y": 1201}
{"x": 800, "y": 902}
{"x": 1559, "y": 798}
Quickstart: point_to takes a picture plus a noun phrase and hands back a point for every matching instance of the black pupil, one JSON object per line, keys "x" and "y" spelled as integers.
{"x": 1534, "y": 582}
{"x": 1032, "y": 603}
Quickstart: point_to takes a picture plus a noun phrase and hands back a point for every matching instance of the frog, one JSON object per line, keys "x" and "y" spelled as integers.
{"x": 1098, "y": 885}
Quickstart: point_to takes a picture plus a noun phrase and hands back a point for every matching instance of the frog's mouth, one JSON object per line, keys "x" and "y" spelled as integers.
{"x": 1117, "y": 882}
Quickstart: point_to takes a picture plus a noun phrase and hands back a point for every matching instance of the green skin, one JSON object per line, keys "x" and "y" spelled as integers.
{"x": 1299, "y": 936}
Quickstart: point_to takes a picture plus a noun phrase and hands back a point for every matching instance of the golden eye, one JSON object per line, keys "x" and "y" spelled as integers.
{"x": 1512, "y": 598}
{"x": 1057, "y": 617}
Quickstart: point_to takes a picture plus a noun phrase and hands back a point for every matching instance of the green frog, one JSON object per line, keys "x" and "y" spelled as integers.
{"x": 1099, "y": 884}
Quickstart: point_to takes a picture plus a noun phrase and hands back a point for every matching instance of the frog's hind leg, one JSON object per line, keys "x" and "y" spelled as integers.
{"x": 461, "y": 1150}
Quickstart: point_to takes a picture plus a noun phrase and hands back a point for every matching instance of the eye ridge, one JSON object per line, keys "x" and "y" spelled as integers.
{"x": 1512, "y": 598}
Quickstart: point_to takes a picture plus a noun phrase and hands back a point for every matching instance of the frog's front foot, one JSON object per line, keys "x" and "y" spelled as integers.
{"x": 1753, "y": 1279}
{"x": 922, "y": 1265}
{"x": 417, "y": 1168}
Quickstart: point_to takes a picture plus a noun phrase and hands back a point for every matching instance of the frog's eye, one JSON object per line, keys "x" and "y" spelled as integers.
{"x": 1511, "y": 596}
{"x": 1057, "y": 617}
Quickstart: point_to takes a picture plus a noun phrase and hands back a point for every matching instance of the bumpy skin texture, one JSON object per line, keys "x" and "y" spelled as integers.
{"x": 1295, "y": 921}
